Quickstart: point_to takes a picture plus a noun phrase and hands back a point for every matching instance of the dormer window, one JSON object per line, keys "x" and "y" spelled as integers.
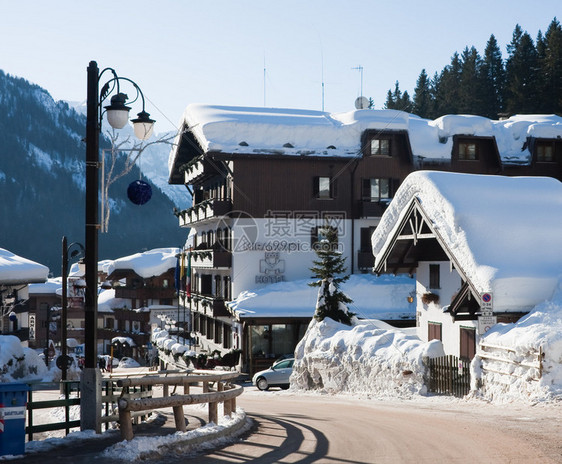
{"x": 545, "y": 152}
{"x": 380, "y": 147}
{"x": 468, "y": 151}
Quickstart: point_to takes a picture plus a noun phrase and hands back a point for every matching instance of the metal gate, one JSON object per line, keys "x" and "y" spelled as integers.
{"x": 450, "y": 376}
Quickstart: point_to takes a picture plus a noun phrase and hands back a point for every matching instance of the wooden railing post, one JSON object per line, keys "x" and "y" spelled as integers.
{"x": 179, "y": 418}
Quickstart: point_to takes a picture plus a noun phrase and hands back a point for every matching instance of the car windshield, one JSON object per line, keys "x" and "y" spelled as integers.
{"x": 283, "y": 364}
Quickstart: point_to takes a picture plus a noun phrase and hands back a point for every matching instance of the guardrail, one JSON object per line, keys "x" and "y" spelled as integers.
{"x": 223, "y": 392}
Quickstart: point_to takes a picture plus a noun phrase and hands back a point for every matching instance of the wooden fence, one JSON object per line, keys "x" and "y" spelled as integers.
{"x": 505, "y": 361}
{"x": 215, "y": 388}
{"x": 449, "y": 375}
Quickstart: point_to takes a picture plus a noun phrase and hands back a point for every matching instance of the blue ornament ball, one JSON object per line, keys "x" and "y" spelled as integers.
{"x": 139, "y": 192}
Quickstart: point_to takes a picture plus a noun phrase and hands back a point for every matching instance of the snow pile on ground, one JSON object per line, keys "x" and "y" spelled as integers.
{"x": 514, "y": 368}
{"x": 17, "y": 363}
{"x": 368, "y": 357}
{"x": 209, "y": 436}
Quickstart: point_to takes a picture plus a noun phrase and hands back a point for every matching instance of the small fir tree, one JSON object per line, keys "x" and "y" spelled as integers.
{"x": 330, "y": 269}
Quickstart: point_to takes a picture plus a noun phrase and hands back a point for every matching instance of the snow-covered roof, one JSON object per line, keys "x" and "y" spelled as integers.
{"x": 284, "y": 131}
{"x": 16, "y": 270}
{"x": 50, "y": 287}
{"x": 383, "y": 297}
{"x": 504, "y": 232}
{"x": 148, "y": 264}
{"x": 107, "y": 301}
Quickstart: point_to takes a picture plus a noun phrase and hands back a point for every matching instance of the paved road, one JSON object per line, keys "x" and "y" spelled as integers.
{"x": 290, "y": 428}
{"x": 319, "y": 429}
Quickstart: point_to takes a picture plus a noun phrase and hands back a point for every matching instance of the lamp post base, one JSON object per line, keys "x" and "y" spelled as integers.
{"x": 90, "y": 400}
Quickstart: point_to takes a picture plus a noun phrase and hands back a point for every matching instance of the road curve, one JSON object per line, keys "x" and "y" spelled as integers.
{"x": 324, "y": 429}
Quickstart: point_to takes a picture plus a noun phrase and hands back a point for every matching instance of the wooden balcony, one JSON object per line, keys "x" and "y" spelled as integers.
{"x": 368, "y": 209}
{"x": 211, "y": 259}
{"x": 209, "y": 305}
{"x": 205, "y": 211}
{"x": 199, "y": 170}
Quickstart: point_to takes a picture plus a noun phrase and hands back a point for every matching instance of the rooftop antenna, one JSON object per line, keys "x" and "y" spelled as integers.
{"x": 361, "y": 102}
{"x": 360, "y": 68}
{"x": 322, "y": 54}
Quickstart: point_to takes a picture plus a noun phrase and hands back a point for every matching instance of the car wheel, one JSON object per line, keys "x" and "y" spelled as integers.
{"x": 262, "y": 383}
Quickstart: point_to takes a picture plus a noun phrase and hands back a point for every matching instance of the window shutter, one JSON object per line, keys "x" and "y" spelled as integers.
{"x": 316, "y": 187}
{"x": 333, "y": 188}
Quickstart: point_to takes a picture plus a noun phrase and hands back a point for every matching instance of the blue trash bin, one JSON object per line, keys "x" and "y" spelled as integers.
{"x": 13, "y": 402}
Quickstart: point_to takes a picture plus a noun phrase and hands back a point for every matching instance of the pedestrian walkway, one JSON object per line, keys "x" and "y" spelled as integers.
{"x": 89, "y": 450}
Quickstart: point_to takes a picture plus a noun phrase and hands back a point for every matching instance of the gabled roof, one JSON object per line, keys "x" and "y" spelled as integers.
{"x": 502, "y": 234}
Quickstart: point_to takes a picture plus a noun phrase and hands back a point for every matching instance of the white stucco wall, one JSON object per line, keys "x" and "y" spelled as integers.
{"x": 450, "y": 283}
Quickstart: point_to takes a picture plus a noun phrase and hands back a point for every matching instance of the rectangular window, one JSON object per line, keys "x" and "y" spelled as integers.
{"x": 545, "y": 152}
{"x": 468, "y": 151}
{"x": 434, "y": 278}
{"x": 376, "y": 189}
{"x": 324, "y": 188}
{"x": 468, "y": 343}
{"x": 380, "y": 147}
{"x": 227, "y": 336}
{"x": 434, "y": 331}
{"x": 317, "y": 235}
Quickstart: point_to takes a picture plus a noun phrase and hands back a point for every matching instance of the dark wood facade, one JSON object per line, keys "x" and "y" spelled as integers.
{"x": 226, "y": 184}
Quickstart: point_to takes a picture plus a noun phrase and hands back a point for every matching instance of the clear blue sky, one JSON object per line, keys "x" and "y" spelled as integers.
{"x": 182, "y": 51}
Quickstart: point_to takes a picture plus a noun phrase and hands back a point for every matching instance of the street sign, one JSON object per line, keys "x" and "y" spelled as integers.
{"x": 485, "y": 323}
{"x": 32, "y": 327}
{"x": 486, "y": 303}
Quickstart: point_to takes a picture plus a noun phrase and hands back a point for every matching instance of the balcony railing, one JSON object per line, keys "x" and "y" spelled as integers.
{"x": 369, "y": 208}
{"x": 204, "y": 211}
{"x": 210, "y": 259}
{"x": 209, "y": 305}
{"x": 198, "y": 170}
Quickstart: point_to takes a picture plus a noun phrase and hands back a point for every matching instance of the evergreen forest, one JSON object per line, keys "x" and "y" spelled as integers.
{"x": 527, "y": 81}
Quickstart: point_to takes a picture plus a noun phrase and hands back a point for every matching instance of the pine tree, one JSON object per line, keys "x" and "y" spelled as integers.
{"x": 423, "y": 101}
{"x": 447, "y": 97}
{"x": 330, "y": 270}
{"x": 470, "y": 82}
{"x": 549, "y": 55}
{"x": 493, "y": 79}
{"x": 521, "y": 74}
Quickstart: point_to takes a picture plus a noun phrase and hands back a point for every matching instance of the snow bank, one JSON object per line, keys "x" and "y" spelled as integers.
{"x": 517, "y": 370}
{"x": 17, "y": 363}
{"x": 362, "y": 359}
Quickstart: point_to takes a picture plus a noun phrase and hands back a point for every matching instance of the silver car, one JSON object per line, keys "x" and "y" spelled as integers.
{"x": 276, "y": 376}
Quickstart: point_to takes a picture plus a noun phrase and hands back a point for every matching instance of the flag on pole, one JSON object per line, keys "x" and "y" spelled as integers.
{"x": 188, "y": 275}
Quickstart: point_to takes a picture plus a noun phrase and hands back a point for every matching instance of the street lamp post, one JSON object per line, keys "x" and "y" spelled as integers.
{"x": 117, "y": 116}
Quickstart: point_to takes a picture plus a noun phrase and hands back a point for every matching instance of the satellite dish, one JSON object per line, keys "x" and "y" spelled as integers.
{"x": 361, "y": 103}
